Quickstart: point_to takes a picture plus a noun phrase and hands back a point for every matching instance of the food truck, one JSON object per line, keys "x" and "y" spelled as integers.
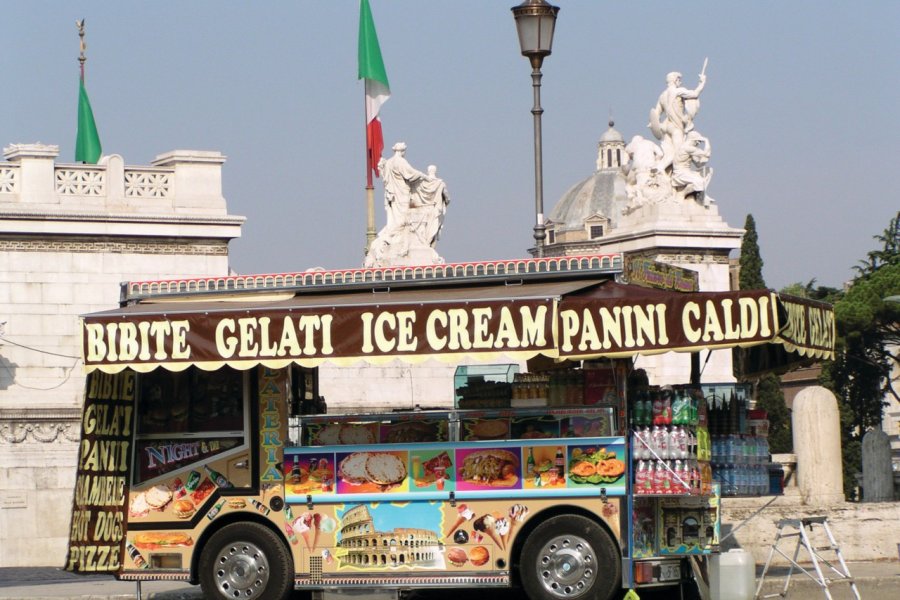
{"x": 207, "y": 453}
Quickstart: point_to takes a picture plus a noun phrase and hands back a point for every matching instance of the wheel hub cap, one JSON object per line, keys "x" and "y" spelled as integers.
{"x": 567, "y": 566}
{"x": 242, "y": 571}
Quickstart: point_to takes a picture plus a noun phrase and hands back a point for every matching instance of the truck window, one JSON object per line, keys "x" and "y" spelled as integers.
{"x": 188, "y": 417}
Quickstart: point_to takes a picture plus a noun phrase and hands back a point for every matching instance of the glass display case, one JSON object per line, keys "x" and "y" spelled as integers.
{"x": 484, "y": 386}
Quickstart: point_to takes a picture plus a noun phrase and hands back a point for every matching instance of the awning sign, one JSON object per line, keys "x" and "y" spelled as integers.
{"x": 594, "y": 321}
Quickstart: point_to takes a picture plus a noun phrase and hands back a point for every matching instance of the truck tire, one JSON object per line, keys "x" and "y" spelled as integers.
{"x": 246, "y": 560}
{"x": 570, "y": 557}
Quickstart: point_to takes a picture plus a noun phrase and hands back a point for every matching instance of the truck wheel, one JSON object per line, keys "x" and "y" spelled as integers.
{"x": 569, "y": 557}
{"x": 246, "y": 560}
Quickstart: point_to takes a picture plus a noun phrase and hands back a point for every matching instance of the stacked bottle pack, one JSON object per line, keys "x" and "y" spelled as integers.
{"x": 671, "y": 446}
{"x": 740, "y": 456}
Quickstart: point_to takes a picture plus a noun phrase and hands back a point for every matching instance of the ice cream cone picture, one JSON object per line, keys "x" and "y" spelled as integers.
{"x": 302, "y": 525}
{"x": 464, "y": 515}
{"x": 517, "y": 514}
{"x": 316, "y": 523}
{"x": 485, "y": 524}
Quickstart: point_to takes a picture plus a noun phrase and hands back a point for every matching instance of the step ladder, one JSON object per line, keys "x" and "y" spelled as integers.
{"x": 802, "y": 529}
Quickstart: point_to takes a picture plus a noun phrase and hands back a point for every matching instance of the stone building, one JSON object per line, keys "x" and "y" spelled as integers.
{"x": 69, "y": 234}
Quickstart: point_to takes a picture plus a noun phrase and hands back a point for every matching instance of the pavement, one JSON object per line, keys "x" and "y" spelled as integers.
{"x": 876, "y": 580}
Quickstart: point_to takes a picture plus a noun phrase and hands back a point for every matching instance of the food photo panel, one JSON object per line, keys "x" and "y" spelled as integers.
{"x": 488, "y": 468}
{"x": 597, "y": 466}
{"x": 372, "y": 472}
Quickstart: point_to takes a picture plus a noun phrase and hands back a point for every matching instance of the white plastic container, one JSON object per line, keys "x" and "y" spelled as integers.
{"x": 732, "y": 575}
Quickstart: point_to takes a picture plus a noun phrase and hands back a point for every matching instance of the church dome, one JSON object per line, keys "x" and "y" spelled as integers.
{"x": 591, "y": 208}
{"x": 603, "y": 193}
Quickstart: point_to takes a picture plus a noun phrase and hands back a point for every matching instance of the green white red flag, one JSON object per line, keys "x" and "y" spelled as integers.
{"x": 371, "y": 69}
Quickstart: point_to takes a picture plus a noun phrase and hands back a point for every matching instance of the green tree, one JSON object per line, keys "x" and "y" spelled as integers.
{"x": 769, "y": 396}
{"x": 751, "y": 263}
{"x": 868, "y": 331}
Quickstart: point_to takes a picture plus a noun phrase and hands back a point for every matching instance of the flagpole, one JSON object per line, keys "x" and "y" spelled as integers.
{"x": 370, "y": 188}
{"x": 81, "y": 58}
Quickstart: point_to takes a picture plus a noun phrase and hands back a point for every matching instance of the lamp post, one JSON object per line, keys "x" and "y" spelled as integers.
{"x": 535, "y": 21}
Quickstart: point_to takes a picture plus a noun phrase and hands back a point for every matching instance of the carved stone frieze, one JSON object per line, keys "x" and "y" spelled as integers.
{"x": 45, "y": 426}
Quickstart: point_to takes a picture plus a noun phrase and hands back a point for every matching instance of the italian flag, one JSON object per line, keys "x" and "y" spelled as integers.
{"x": 371, "y": 69}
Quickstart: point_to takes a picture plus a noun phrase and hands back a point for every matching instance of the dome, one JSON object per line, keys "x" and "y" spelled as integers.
{"x": 603, "y": 193}
{"x": 611, "y": 135}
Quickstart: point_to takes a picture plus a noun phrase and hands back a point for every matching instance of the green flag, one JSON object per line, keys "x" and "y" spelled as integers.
{"x": 87, "y": 141}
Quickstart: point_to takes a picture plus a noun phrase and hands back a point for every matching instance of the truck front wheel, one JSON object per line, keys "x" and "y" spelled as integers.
{"x": 569, "y": 557}
{"x": 246, "y": 560}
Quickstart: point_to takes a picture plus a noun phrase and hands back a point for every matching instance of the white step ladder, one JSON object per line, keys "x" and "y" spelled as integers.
{"x": 803, "y": 531}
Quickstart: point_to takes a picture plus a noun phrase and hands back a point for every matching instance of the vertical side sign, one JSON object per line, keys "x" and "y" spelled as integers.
{"x": 97, "y": 531}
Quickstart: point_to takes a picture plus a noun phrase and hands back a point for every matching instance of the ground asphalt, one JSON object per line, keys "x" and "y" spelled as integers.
{"x": 876, "y": 580}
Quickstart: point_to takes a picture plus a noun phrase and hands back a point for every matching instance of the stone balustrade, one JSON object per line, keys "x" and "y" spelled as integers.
{"x": 176, "y": 183}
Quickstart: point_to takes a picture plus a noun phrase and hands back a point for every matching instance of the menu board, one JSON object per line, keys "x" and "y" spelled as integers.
{"x": 101, "y": 480}
{"x": 535, "y": 467}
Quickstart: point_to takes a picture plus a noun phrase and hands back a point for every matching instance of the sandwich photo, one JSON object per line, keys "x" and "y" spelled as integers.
{"x": 495, "y": 467}
{"x": 156, "y": 540}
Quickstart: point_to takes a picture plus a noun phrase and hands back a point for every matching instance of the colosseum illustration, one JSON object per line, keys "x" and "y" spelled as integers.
{"x": 362, "y": 545}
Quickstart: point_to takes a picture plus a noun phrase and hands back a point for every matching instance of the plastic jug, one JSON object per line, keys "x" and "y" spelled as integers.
{"x": 732, "y": 575}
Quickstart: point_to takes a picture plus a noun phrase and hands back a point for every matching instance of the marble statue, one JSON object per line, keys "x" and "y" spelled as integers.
{"x": 416, "y": 204}
{"x": 675, "y": 170}
{"x": 689, "y": 173}
{"x": 673, "y": 116}
{"x": 431, "y": 196}
{"x": 641, "y": 171}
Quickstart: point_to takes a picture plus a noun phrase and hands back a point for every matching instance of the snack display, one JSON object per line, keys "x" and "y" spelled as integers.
{"x": 183, "y": 508}
{"x": 487, "y": 429}
{"x": 595, "y": 466}
{"x": 156, "y": 540}
{"x": 490, "y": 467}
{"x": 457, "y": 556}
{"x": 381, "y": 469}
{"x": 479, "y": 556}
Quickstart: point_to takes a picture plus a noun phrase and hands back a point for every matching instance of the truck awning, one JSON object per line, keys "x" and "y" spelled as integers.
{"x": 563, "y": 319}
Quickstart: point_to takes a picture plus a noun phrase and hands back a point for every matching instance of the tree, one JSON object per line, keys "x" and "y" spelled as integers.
{"x": 751, "y": 263}
{"x": 769, "y": 396}
{"x": 868, "y": 335}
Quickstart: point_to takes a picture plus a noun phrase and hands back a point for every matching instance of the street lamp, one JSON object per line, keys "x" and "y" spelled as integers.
{"x": 535, "y": 21}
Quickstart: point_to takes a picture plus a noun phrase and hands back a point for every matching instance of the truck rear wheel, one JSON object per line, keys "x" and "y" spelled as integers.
{"x": 246, "y": 560}
{"x": 569, "y": 557}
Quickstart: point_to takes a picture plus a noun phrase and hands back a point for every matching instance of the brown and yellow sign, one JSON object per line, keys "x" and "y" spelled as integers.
{"x": 101, "y": 483}
{"x": 594, "y": 320}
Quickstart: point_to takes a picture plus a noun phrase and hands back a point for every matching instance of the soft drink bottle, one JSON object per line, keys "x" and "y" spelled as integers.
{"x": 678, "y": 409}
{"x": 657, "y": 407}
{"x": 659, "y": 442}
{"x": 643, "y": 481}
{"x": 678, "y": 481}
{"x": 678, "y": 443}
{"x": 667, "y": 408}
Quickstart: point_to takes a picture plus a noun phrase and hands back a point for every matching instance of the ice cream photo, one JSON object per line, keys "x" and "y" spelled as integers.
{"x": 465, "y": 514}
{"x": 486, "y": 524}
{"x": 517, "y": 514}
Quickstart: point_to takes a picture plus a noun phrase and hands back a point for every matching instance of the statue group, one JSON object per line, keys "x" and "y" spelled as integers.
{"x": 415, "y": 204}
{"x": 675, "y": 169}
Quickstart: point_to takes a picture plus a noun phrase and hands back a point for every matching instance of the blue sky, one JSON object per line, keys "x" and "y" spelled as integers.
{"x": 800, "y": 108}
